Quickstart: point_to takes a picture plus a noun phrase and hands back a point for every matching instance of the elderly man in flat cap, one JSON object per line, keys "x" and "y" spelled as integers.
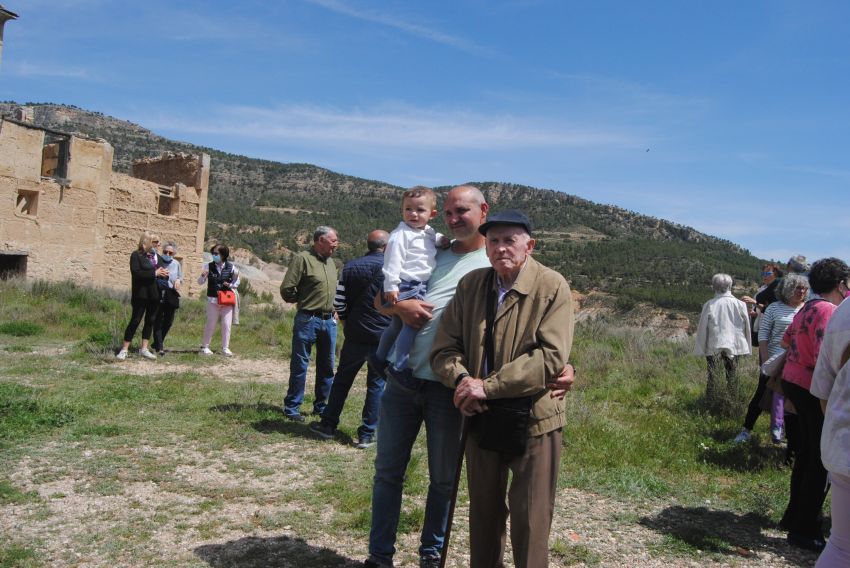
{"x": 506, "y": 334}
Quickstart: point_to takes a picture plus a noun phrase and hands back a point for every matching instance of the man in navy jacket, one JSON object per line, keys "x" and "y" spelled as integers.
{"x": 360, "y": 282}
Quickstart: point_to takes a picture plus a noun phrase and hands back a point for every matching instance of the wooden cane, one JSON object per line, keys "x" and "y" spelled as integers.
{"x": 464, "y": 427}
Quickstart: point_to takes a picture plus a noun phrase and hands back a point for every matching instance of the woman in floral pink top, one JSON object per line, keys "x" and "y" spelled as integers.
{"x": 802, "y": 339}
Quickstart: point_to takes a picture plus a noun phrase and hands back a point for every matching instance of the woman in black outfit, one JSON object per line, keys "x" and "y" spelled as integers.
{"x": 144, "y": 297}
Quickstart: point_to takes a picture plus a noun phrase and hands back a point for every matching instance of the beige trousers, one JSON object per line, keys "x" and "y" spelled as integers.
{"x": 531, "y": 501}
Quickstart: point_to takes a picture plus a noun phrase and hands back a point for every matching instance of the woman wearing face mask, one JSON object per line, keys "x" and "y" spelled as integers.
{"x": 219, "y": 275}
{"x": 169, "y": 295}
{"x": 144, "y": 296}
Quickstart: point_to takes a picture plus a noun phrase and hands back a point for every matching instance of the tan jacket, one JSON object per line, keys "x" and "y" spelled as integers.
{"x": 532, "y": 339}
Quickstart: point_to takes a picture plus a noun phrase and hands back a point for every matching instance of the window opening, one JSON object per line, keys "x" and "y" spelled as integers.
{"x": 54, "y": 156}
{"x": 168, "y": 205}
{"x": 27, "y": 203}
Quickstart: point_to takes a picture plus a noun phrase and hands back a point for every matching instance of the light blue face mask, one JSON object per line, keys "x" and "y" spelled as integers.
{"x": 217, "y": 258}
{"x": 167, "y": 257}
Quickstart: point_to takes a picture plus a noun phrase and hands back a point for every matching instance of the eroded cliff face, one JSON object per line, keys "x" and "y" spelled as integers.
{"x": 598, "y": 305}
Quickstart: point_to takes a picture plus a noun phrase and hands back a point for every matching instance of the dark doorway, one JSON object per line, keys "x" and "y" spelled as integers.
{"x": 12, "y": 265}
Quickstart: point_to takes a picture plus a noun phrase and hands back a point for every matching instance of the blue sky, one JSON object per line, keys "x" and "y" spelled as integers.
{"x": 731, "y": 117}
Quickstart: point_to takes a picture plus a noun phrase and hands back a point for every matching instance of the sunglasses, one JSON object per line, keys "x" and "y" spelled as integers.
{"x": 170, "y": 252}
{"x": 768, "y": 273}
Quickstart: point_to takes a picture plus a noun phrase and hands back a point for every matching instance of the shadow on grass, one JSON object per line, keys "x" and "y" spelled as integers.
{"x": 270, "y": 419}
{"x": 692, "y": 529}
{"x": 239, "y": 407}
{"x": 749, "y": 456}
{"x": 272, "y": 552}
{"x": 264, "y": 418}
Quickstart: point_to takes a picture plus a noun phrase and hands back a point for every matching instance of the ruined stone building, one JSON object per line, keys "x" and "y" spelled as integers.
{"x": 5, "y": 16}
{"x": 65, "y": 215}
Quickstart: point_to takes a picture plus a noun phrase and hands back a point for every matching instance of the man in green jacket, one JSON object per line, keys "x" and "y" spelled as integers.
{"x": 500, "y": 358}
{"x": 310, "y": 282}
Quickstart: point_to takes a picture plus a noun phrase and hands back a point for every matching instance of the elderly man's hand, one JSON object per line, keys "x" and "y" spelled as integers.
{"x": 471, "y": 407}
{"x": 558, "y": 388}
{"x": 469, "y": 389}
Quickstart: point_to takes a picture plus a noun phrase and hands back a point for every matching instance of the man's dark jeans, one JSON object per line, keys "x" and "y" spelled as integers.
{"x": 351, "y": 360}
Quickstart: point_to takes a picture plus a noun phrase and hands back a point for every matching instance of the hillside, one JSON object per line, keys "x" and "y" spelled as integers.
{"x": 271, "y": 208}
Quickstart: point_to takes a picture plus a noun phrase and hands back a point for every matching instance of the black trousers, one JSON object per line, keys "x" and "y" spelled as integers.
{"x": 754, "y": 409}
{"x": 146, "y": 308}
{"x": 808, "y": 476}
{"x": 164, "y": 319}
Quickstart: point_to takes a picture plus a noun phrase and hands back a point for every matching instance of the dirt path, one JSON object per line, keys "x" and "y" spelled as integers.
{"x": 170, "y": 520}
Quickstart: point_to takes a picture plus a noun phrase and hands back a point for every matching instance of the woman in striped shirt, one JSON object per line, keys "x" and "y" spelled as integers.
{"x": 792, "y": 292}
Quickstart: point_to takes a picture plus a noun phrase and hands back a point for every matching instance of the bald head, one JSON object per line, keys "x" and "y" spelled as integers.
{"x": 377, "y": 240}
{"x": 470, "y": 192}
{"x": 465, "y": 210}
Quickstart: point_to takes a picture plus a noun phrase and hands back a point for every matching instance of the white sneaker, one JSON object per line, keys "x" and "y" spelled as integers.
{"x": 205, "y": 351}
{"x": 122, "y": 355}
{"x": 147, "y": 354}
{"x": 227, "y": 352}
{"x": 743, "y": 436}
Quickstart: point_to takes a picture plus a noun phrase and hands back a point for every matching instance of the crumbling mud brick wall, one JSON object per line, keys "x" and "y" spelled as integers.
{"x": 64, "y": 214}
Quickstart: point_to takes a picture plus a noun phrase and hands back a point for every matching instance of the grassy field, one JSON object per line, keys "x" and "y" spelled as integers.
{"x": 188, "y": 461}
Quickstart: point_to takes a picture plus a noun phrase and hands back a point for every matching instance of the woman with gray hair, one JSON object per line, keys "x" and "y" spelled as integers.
{"x": 723, "y": 333}
{"x": 169, "y": 295}
{"x": 792, "y": 293}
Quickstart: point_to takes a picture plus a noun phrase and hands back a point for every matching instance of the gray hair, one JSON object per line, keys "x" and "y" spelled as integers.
{"x": 798, "y": 264}
{"x": 321, "y": 231}
{"x": 785, "y": 290}
{"x": 171, "y": 244}
{"x": 721, "y": 283}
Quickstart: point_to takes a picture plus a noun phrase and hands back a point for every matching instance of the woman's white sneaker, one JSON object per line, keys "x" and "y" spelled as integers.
{"x": 205, "y": 351}
{"x": 122, "y": 355}
{"x": 146, "y": 353}
{"x": 227, "y": 352}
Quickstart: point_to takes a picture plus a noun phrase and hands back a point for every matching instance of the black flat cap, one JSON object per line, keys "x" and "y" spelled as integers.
{"x": 509, "y": 217}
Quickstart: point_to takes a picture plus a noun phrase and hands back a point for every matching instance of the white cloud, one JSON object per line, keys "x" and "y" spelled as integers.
{"x": 400, "y": 24}
{"x": 397, "y": 127}
{"x": 819, "y": 171}
{"x": 25, "y": 69}
{"x": 645, "y": 97}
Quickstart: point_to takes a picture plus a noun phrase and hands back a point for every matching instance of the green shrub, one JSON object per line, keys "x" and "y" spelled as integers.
{"x": 21, "y": 328}
{"x": 246, "y": 290}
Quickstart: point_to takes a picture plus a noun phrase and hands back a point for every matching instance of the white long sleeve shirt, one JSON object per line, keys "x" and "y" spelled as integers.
{"x": 831, "y": 382}
{"x": 410, "y": 255}
{"x": 724, "y": 327}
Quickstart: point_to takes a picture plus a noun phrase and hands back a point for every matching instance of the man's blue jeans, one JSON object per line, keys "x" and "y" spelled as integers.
{"x": 404, "y": 407}
{"x": 351, "y": 360}
{"x": 308, "y": 330}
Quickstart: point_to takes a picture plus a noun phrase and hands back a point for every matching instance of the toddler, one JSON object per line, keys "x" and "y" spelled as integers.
{"x": 409, "y": 258}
